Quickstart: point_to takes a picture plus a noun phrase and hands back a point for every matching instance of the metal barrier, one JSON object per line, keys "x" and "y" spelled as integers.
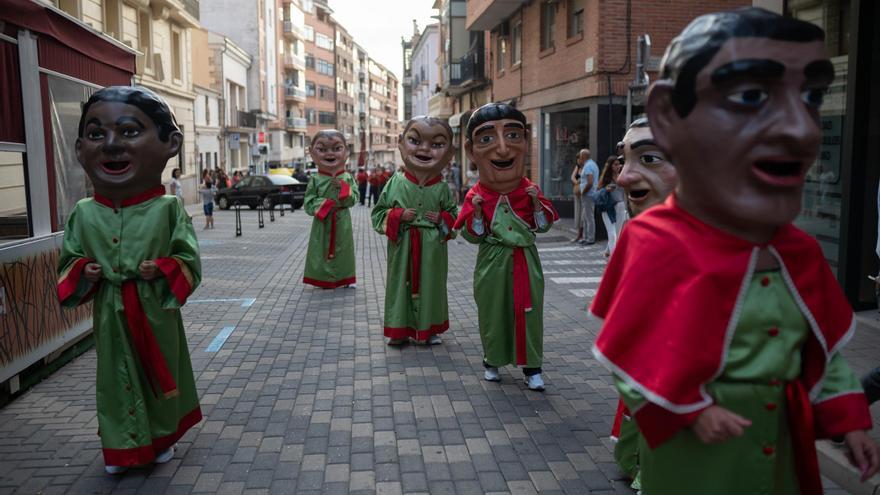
{"x": 237, "y": 219}
{"x": 271, "y": 211}
{"x": 260, "y": 216}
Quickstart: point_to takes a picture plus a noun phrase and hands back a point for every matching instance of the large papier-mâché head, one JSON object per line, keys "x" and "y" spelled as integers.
{"x": 426, "y": 147}
{"x": 329, "y": 151}
{"x": 497, "y": 141}
{"x": 126, "y": 136}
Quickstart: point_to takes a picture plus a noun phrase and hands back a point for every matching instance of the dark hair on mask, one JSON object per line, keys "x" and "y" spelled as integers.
{"x": 639, "y": 122}
{"x": 138, "y": 96}
{"x": 431, "y": 121}
{"x": 694, "y": 48}
{"x": 329, "y": 133}
{"x": 490, "y": 112}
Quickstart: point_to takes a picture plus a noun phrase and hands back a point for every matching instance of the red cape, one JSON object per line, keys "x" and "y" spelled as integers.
{"x": 519, "y": 201}
{"x": 670, "y": 301}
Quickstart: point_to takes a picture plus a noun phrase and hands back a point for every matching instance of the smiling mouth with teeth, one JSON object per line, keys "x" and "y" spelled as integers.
{"x": 502, "y": 163}
{"x": 423, "y": 158}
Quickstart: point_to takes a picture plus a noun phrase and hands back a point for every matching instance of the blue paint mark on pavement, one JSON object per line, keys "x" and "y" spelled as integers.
{"x": 220, "y": 339}
{"x": 248, "y": 302}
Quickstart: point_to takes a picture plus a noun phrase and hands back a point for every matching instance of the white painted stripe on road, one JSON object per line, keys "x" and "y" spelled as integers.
{"x": 576, "y": 280}
{"x": 574, "y": 261}
{"x": 583, "y": 292}
{"x": 245, "y": 303}
{"x": 559, "y": 249}
{"x": 561, "y": 272}
{"x": 220, "y": 339}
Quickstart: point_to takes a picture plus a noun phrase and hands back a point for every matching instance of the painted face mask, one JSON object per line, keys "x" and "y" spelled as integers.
{"x": 426, "y": 147}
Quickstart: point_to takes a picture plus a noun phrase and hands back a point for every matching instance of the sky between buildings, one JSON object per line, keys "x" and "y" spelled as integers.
{"x": 378, "y": 25}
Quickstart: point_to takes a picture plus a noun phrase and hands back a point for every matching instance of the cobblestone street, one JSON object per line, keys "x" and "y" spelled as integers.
{"x": 300, "y": 393}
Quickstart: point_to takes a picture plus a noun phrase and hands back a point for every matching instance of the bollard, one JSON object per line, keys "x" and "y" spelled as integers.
{"x": 272, "y": 212}
{"x": 260, "y": 215}
{"x": 237, "y": 219}
{"x": 282, "y": 208}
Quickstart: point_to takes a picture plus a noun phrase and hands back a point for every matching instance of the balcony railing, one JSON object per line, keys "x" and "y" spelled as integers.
{"x": 241, "y": 119}
{"x": 295, "y": 30}
{"x": 295, "y": 93}
{"x": 294, "y": 60}
{"x": 297, "y": 123}
{"x": 192, "y": 7}
{"x": 465, "y": 72}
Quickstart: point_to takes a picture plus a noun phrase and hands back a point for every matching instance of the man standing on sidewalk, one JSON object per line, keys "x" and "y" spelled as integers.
{"x": 589, "y": 179}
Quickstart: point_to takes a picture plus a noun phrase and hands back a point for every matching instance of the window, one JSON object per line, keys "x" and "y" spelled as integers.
{"x": 323, "y": 41}
{"x": 13, "y": 202}
{"x": 310, "y": 89}
{"x": 575, "y": 17}
{"x": 326, "y": 93}
{"x": 310, "y": 61}
{"x": 548, "y": 25}
{"x": 328, "y": 118}
{"x": 145, "y": 37}
{"x": 324, "y": 67}
{"x": 176, "y": 52}
{"x": 311, "y": 116}
{"x": 516, "y": 42}
{"x": 501, "y": 51}
{"x": 310, "y": 33}
{"x": 112, "y": 19}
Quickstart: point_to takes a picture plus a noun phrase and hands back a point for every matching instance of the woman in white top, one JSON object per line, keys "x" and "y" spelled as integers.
{"x": 473, "y": 176}
{"x": 176, "y": 186}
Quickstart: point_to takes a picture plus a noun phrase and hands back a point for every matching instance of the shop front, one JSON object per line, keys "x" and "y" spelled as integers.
{"x": 841, "y": 198}
{"x": 49, "y": 66}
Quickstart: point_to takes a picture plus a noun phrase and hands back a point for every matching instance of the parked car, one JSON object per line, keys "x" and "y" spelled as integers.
{"x": 276, "y": 169}
{"x": 266, "y": 190}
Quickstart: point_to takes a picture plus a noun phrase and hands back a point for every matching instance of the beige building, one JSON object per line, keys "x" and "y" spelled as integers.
{"x": 160, "y": 30}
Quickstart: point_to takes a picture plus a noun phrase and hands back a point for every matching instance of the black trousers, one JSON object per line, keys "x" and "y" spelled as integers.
{"x": 362, "y": 189}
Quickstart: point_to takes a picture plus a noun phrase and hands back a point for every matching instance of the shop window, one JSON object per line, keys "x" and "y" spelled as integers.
{"x": 548, "y": 25}
{"x": 575, "y": 17}
{"x": 66, "y": 98}
{"x": 14, "y": 223}
{"x": 565, "y": 134}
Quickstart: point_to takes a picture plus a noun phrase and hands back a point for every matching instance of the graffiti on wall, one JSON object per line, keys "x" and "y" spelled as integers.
{"x": 30, "y": 314}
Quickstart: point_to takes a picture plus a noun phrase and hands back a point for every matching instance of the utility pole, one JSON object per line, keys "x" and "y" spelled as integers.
{"x": 641, "y": 80}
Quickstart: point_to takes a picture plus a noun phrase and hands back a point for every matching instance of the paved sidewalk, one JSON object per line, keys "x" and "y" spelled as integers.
{"x": 304, "y": 396}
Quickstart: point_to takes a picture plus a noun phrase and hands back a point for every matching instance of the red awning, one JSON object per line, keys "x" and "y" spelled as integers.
{"x": 36, "y": 17}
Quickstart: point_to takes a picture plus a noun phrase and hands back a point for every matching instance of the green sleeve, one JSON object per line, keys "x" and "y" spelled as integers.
{"x": 383, "y": 206}
{"x": 354, "y": 196}
{"x": 839, "y": 379}
{"x": 312, "y": 201}
{"x": 71, "y": 252}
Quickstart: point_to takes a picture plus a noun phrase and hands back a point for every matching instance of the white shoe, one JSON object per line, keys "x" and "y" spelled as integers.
{"x": 435, "y": 339}
{"x": 352, "y": 286}
{"x": 115, "y": 469}
{"x": 491, "y": 375}
{"x": 535, "y": 382}
{"x": 395, "y": 341}
{"x": 165, "y": 456}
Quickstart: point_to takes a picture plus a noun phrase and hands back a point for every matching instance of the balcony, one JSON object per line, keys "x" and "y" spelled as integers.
{"x": 469, "y": 71}
{"x": 440, "y": 106}
{"x": 192, "y": 7}
{"x": 485, "y": 15}
{"x": 297, "y": 124}
{"x": 293, "y": 93}
{"x": 294, "y": 61}
{"x": 295, "y": 31}
{"x": 242, "y": 120}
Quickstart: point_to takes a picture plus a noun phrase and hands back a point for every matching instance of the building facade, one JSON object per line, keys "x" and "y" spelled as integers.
{"x": 288, "y": 132}
{"x": 425, "y": 81}
{"x": 320, "y": 46}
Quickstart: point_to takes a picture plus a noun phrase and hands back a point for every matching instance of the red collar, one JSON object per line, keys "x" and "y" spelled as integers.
{"x": 134, "y": 200}
{"x": 412, "y": 178}
{"x": 321, "y": 172}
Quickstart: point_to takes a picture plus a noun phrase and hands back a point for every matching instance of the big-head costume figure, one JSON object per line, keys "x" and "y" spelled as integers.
{"x": 732, "y": 365}
{"x": 132, "y": 250}
{"x": 502, "y": 213}
{"x": 647, "y": 179}
{"x": 416, "y": 212}
{"x": 329, "y": 195}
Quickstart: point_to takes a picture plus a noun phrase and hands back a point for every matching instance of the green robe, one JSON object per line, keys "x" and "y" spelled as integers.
{"x": 137, "y": 418}
{"x": 419, "y": 309}
{"x": 493, "y": 288}
{"x": 330, "y": 266}
{"x": 759, "y": 361}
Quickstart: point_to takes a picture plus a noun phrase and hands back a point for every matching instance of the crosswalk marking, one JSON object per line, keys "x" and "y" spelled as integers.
{"x": 576, "y": 280}
{"x": 583, "y": 292}
{"x": 574, "y": 261}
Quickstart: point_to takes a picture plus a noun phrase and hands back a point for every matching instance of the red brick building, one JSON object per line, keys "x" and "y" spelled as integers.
{"x": 568, "y": 65}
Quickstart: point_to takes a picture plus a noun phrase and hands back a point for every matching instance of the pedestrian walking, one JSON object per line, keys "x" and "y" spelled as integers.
{"x": 362, "y": 178}
{"x": 588, "y": 182}
{"x": 117, "y": 246}
{"x": 453, "y": 178}
{"x": 576, "y": 201}
{"x": 473, "y": 176}
{"x": 871, "y": 380}
{"x": 502, "y": 214}
{"x": 610, "y": 197}
{"x": 416, "y": 212}
{"x": 739, "y": 369}
{"x": 329, "y": 195}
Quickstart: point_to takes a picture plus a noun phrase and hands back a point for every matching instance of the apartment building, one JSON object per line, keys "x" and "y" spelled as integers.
{"x": 288, "y": 133}
{"x": 320, "y": 49}
{"x": 346, "y": 85}
{"x": 384, "y": 126}
{"x": 426, "y": 74}
{"x": 161, "y": 31}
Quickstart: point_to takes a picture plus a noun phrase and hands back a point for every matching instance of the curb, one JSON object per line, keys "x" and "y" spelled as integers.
{"x": 836, "y": 467}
